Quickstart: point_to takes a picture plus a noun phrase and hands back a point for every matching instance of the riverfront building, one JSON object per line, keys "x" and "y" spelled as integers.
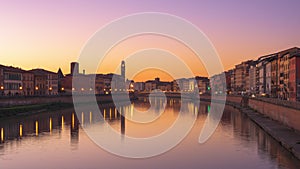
{"x": 11, "y": 83}
{"x": 294, "y": 78}
{"x": 16, "y": 81}
{"x": 275, "y": 75}
{"x": 46, "y": 82}
{"x": 240, "y": 77}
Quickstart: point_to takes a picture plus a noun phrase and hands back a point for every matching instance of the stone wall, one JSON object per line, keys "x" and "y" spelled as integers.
{"x": 285, "y": 115}
{"x": 16, "y": 101}
{"x": 285, "y": 112}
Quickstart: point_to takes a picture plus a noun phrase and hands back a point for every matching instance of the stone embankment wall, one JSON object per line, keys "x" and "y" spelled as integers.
{"x": 289, "y": 116}
{"x": 16, "y": 101}
{"x": 285, "y": 112}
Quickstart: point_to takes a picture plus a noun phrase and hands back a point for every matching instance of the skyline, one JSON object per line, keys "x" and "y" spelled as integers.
{"x": 150, "y": 72}
{"x": 50, "y": 35}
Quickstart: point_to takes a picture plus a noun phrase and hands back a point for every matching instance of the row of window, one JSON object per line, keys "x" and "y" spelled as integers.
{"x": 12, "y": 76}
{"x": 12, "y": 86}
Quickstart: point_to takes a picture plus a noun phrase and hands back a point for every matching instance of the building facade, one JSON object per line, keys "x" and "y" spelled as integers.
{"x": 1, "y": 80}
{"x": 46, "y": 82}
{"x": 294, "y": 78}
{"x": 252, "y": 80}
{"x": 284, "y": 62}
{"x": 28, "y": 83}
{"x": 12, "y": 81}
{"x": 239, "y": 77}
{"x": 202, "y": 84}
{"x": 274, "y": 77}
{"x": 139, "y": 86}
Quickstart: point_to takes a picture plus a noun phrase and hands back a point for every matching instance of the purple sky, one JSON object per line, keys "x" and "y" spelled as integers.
{"x": 38, "y": 33}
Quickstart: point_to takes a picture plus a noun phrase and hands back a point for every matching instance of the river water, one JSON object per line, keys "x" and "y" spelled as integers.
{"x": 56, "y": 140}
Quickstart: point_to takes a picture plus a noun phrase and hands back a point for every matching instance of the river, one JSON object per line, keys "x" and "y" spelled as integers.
{"x": 56, "y": 140}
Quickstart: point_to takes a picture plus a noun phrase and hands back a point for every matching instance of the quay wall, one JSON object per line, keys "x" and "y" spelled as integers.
{"x": 285, "y": 112}
{"x": 286, "y": 115}
{"x": 17, "y": 101}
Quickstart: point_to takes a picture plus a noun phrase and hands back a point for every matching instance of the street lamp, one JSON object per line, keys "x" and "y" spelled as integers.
{"x": 36, "y": 89}
{"x": 50, "y": 90}
{"x": 2, "y": 90}
{"x": 21, "y": 88}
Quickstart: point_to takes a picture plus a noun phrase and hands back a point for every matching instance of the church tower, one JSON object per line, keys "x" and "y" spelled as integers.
{"x": 123, "y": 69}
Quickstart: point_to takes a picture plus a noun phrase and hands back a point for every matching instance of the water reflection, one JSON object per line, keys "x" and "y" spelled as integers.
{"x": 235, "y": 129}
{"x": 2, "y": 135}
{"x": 74, "y": 129}
{"x": 21, "y": 130}
{"x": 50, "y": 124}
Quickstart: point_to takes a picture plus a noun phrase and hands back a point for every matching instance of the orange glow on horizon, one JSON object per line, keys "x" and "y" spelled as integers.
{"x": 151, "y": 74}
{"x": 135, "y": 45}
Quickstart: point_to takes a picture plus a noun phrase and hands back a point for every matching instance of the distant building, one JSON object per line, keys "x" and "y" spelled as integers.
{"x": 139, "y": 86}
{"x": 99, "y": 84}
{"x": 264, "y": 74}
{"x": 239, "y": 77}
{"x": 11, "y": 80}
{"x": 28, "y": 83}
{"x": 294, "y": 78}
{"x": 218, "y": 83}
{"x": 1, "y": 80}
{"x": 151, "y": 85}
{"x": 268, "y": 87}
{"x": 274, "y": 77}
{"x": 183, "y": 85}
{"x": 175, "y": 87}
{"x": 202, "y": 84}
{"x": 74, "y": 68}
{"x": 253, "y": 89}
{"x": 284, "y": 72}
{"x": 60, "y": 76}
{"x": 228, "y": 75}
{"x": 46, "y": 82}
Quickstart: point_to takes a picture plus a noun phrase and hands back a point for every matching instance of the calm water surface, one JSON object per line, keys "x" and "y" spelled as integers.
{"x": 55, "y": 140}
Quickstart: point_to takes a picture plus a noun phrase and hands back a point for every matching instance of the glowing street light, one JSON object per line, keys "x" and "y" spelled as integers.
{"x": 36, "y": 88}
{"x": 2, "y": 87}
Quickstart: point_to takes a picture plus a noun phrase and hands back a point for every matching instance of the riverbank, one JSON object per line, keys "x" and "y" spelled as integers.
{"x": 287, "y": 137}
{"x": 22, "y": 106}
{"x": 24, "y": 110}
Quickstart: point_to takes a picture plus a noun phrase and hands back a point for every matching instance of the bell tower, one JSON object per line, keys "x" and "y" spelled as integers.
{"x": 123, "y": 69}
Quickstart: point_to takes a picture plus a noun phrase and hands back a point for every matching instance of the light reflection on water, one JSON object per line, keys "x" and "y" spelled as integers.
{"x": 56, "y": 140}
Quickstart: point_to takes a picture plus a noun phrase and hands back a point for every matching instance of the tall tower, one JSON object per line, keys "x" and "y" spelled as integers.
{"x": 123, "y": 69}
{"x": 123, "y": 86}
{"x": 74, "y": 68}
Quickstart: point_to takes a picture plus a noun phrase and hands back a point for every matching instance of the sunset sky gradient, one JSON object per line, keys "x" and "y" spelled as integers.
{"x": 51, "y": 34}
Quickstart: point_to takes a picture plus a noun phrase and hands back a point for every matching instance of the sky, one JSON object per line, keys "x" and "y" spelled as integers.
{"x": 51, "y": 34}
